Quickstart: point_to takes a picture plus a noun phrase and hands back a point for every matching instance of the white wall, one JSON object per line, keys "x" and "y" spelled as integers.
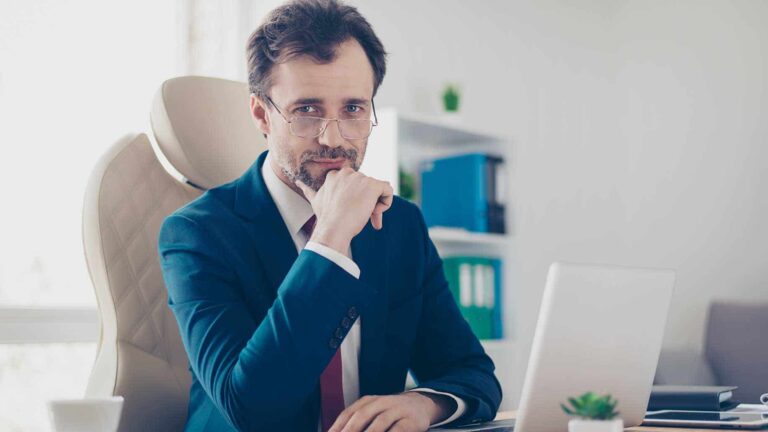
{"x": 639, "y": 133}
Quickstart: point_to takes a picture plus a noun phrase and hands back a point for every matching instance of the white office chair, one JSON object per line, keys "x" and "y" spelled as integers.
{"x": 203, "y": 128}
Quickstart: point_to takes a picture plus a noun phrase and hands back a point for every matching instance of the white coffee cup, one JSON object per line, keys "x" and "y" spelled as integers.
{"x": 85, "y": 415}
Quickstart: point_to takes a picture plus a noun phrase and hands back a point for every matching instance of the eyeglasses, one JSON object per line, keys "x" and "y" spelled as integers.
{"x": 313, "y": 127}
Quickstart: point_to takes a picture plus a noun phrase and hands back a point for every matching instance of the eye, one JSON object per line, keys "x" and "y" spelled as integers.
{"x": 354, "y": 109}
{"x": 306, "y": 109}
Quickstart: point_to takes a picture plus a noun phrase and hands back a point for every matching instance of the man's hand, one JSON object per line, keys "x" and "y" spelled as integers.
{"x": 344, "y": 204}
{"x": 404, "y": 412}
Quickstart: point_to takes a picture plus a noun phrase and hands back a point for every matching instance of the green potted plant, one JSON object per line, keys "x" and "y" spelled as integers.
{"x": 407, "y": 185}
{"x": 451, "y": 98}
{"x": 593, "y": 414}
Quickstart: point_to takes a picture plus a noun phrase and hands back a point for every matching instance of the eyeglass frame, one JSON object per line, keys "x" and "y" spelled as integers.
{"x": 326, "y": 121}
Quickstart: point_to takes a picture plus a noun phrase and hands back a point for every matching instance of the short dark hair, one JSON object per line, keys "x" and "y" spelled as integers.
{"x": 309, "y": 27}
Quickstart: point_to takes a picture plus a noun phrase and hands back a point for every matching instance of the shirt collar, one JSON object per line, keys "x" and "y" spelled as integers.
{"x": 293, "y": 208}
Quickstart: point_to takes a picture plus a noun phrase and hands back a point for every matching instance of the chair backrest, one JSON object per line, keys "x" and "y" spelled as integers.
{"x": 203, "y": 127}
{"x": 140, "y": 355}
{"x": 204, "y": 130}
{"x": 736, "y": 347}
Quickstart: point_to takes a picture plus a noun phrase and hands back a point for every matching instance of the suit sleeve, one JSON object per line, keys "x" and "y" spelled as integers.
{"x": 258, "y": 370}
{"x": 447, "y": 356}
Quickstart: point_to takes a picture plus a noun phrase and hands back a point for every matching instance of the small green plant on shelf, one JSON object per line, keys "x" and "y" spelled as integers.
{"x": 407, "y": 185}
{"x": 451, "y": 97}
{"x": 591, "y": 407}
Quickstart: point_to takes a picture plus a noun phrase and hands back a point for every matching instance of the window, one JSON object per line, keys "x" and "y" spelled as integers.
{"x": 31, "y": 374}
{"x": 76, "y": 76}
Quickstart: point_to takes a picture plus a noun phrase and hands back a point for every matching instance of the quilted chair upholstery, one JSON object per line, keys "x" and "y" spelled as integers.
{"x": 204, "y": 131}
{"x": 140, "y": 355}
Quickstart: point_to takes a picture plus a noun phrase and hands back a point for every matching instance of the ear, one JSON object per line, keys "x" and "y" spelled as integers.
{"x": 259, "y": 114}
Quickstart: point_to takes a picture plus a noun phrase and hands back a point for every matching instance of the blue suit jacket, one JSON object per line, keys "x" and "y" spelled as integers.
{"x": 260, "y": 322}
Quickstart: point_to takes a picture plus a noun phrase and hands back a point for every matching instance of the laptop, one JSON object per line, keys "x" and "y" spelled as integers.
{"x": 599, "y": 329}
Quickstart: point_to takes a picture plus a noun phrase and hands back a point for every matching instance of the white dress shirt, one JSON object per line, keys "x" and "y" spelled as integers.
{"x": 296, "y": 211}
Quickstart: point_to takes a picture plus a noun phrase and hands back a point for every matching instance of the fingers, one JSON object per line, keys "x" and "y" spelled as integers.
{"x": 377, "y": 220}
{"x": 403, "y": 425}
{"x": 383, "y": 421}
{"x": 345, "y": 415}
{"x": 381, "y": 207}
{"x": 364, "y": 417}
{"x": 383, "y": 204}
{"x": 309, "y": 193}
{"x": 387, "y": 194}
{"x": 347, "y": 181}
{"x": 377, "y": 217}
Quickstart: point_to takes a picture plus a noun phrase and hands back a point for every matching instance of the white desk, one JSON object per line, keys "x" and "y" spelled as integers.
{"x": 504, "y": 415}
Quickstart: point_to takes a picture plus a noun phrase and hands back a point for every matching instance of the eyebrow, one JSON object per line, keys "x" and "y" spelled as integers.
{"x": 318, "y": 101}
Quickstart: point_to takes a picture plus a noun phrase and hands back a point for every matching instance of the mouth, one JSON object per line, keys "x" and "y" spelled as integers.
{"x": 330, "y": 163}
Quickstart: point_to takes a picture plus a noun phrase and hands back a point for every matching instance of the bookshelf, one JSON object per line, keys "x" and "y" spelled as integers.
{"x": 459, "y": 237}
{"x": 401, "y": 141}
{"x": 441, "y": 130}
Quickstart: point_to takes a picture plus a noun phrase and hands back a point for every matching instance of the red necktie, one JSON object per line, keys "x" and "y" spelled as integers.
{"x": 309, "y": 226}
{"x": 331, "y": 389}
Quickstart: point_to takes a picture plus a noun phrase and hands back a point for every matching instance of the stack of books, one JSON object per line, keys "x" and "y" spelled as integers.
{"x": 692, "y": 398}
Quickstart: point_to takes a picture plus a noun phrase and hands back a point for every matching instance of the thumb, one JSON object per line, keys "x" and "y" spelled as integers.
{"x": 309, "y": 193}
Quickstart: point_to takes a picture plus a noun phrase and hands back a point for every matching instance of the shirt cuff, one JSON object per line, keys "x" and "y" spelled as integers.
{"x": 461, "y": 406}
{"x": 335, "y": 257}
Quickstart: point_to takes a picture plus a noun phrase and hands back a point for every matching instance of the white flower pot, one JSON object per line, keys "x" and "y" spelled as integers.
{"x": 579, "y": 425}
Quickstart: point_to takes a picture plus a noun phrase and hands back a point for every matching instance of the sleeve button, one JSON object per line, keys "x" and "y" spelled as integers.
{"x": 339, "y": 333}
{"x": 352, "y": 313}
{"x": 333, "y": 343}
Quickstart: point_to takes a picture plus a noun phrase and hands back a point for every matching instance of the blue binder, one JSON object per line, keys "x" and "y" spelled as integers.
{"x": 459, "y": 191}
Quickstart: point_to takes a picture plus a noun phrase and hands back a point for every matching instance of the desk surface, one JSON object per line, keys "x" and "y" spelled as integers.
{"x": 504, "y": 415}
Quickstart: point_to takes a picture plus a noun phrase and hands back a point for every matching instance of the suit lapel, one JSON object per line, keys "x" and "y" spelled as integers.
{"x": 277, "y": 253}
{"x": 369, "y": 249}
{"x": 274, "y": 244}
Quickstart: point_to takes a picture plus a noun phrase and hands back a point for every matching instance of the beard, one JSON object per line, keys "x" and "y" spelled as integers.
{"x": 293, "y": 171}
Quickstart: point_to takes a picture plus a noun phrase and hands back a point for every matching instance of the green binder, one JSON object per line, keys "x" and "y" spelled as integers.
{"x": 474, "y": 283}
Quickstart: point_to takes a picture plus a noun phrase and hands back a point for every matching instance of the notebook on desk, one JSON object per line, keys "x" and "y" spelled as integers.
{"x": 692, "y": 398}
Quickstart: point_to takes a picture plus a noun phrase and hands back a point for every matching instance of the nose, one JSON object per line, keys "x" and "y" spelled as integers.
{"x": 331, "y": 136}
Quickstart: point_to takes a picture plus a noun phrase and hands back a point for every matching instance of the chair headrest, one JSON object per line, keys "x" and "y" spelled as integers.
{"x": 204, "y": 128}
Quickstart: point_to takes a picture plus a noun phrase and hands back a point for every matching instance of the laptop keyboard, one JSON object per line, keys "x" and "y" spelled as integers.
{"x": 494, "y": 426}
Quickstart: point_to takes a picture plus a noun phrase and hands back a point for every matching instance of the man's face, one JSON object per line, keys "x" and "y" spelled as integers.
{"x": 341, "y": 89}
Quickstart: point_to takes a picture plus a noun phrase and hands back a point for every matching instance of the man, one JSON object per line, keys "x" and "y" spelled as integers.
{"x": 297, "y": 313}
